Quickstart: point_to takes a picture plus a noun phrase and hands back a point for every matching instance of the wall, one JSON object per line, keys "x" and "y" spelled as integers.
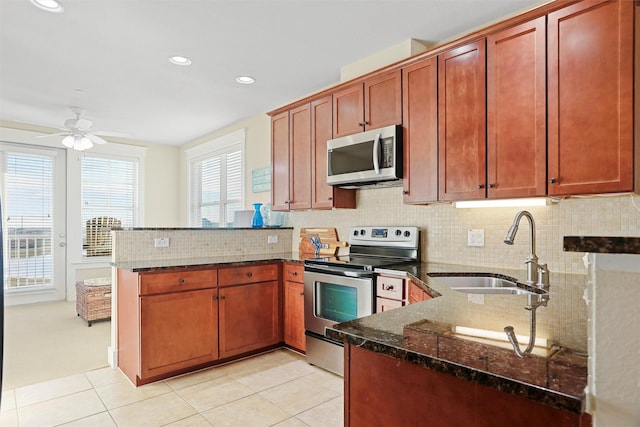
{"x": 614, "y": 371}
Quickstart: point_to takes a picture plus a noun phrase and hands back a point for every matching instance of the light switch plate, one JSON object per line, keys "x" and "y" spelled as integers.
{"x": 475, "y": 238}
{"x": 161, "y": 242}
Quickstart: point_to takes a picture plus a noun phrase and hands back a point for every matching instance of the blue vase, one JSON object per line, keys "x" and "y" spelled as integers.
{"x": 256, "y": 221}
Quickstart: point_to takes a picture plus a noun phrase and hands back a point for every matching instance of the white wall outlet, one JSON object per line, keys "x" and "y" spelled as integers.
{"x": 475, "y": 298}
{"x": 272, "y": 239}
{"x": 475, "y": 238}
{"x": 161, "y": 242}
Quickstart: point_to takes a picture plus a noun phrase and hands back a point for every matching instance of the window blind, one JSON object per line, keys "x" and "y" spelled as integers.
{"x": 216, "y": 187}
{"x": 109, "y": 193}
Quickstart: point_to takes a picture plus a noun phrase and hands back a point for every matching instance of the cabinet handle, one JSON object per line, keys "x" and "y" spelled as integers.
{"x": 215, "y": 297}
{"x": 222, "y": 297}
{"x": 492, "y": 185}
{"x": 301, "y": 292}
{"x": 250, "y": 274}
{"x": 366, "y": 122}
{"x": 480, "y": 186}
{"x": 181, "y": 281}
{"x": 553, "y": 180}
{"x": 387, "y": 287}
{"x": 295, "y": 273}
{"x": 405, "y": 192}
{"x": 360, "y": 124}
{"x": 329, "y": 198}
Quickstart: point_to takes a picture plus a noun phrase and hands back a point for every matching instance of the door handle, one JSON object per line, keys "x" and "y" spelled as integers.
{"x": 376, "y": 148}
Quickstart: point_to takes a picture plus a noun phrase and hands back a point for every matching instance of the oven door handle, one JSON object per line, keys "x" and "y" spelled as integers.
{"x": 376, "y": 149}
{"x": 326, "y": 269}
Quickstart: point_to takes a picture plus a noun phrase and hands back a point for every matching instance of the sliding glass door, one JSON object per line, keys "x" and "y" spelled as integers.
{"x": 34, "y": 239}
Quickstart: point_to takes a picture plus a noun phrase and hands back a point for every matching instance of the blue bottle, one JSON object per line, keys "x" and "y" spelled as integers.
{"x": 256, "y": 221}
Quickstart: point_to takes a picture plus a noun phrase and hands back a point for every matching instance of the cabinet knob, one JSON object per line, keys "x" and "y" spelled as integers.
{"x": 360, "y": 124}
{"x": 366, "y": 122}
{"x": 295, "y": 273}
{"x": 301, "y": 292}
{"x": 329, "y": 198}
{"x": 480, "y": 186}
{"x": 553, "y": 180}
{"x": 387, "y": 287}
{"x": 222, "y": 297}
{"x": 215, "y": 297}
{"x": 405, "y": 192}
{"x": 181, "y": 281}
{"x": 492, "y": 185}
{"x": 250, "y": 274}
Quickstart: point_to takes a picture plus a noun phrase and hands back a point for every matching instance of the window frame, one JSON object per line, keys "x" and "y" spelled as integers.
{"x": 214, "y": 148}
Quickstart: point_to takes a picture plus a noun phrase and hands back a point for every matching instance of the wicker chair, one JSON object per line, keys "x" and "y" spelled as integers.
{"x": 99, "y": 235}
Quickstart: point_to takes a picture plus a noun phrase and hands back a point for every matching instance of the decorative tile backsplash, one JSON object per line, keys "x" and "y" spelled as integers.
{"x": 138, "y": 245}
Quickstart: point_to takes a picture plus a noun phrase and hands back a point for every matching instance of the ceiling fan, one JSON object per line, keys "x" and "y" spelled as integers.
{"x": 78, "y": 133}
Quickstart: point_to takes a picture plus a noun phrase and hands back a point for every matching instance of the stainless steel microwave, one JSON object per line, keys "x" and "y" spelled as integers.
{"x": 365, "y": 158}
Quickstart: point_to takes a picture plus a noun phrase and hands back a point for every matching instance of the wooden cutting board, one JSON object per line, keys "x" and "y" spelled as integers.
{"x": 328, "y": 238}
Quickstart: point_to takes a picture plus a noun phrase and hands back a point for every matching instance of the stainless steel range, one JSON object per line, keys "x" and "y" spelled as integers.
{"x": 339, "y": 289}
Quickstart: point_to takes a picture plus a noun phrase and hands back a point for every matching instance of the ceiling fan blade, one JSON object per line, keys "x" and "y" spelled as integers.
{"x": 83, "y": 124}
{"x": 53, "y": 134}
{"x": 110, "y": 133}
{"x": 95, "y": 139}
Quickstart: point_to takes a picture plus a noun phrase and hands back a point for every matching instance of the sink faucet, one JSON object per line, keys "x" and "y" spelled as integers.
{"x": 537, "y": 274}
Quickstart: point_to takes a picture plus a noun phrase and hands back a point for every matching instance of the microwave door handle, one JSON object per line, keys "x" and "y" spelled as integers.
{"x": 376, "y": 148}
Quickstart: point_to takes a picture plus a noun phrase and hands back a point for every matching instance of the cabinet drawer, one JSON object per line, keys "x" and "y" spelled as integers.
{"x": 157, "y": 283}
{"x": 294, "y": 272}
{"x": 249, "y": 274}
{"x": 390, "y": 287}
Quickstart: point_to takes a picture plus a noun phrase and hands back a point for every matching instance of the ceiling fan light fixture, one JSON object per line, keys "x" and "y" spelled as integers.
{"x": 77, "y": 142}
{"x": 245, "y": 80}
{"x": 48, "y": 5}
{"x": 180, "y": 60}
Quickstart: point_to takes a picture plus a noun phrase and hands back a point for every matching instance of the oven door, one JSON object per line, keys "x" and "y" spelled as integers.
{"x": 329, "y": 298}
{"x": 334, "y": 298}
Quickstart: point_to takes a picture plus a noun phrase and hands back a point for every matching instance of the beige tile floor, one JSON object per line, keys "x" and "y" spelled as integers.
{"x": 273, "y": 389}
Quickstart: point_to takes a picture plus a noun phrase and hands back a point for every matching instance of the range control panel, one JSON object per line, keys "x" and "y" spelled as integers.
{"x": 397, "y": 236}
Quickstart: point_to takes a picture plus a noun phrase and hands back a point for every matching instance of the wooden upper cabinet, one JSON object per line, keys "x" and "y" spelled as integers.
{"x": 300, "y": 157}
{"x": 324, "y": 196}
{"x": 383, "y": 100}
{"x": 280, "y": 162}
{"x": 348, "y": 110}
{"x": 516, "y": 111}
{"x": 462, "y": 120}
{"x": 590, "y": 98}
{"x": 420, "y": 115}
{"x": 375, "y": 103}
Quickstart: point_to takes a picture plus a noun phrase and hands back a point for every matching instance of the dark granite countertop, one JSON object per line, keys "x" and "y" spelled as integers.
{"x": 602, "y": 244}
{"x": 146, "y": 266}
{"x": 555, "y": 376}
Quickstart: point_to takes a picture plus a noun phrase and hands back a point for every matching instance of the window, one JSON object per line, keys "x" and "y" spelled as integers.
{"x": 216, "y": 176}
{"x": 109, "y": 192}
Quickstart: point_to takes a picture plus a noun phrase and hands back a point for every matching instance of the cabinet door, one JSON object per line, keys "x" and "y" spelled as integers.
{"x": 249, "y": 318}
{"x": 462, "y": 119}
{"x": 383, "y": 100}
{"x": 590, "y": 48}
{"x": 420, "y": 114}
{"x": 178, "y": 330}
{"x": 300, "y": 157}
{"x": 516, "y": 111}
{"x": 415, "y": 294}
{"x": 348, "y": 112}
{"x": 280, "y": 162}
{"x": 325, "y": 196}
{"x": 294, "y": 315}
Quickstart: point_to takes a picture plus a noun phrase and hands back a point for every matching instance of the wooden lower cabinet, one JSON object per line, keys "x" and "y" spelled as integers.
{"x": 384, "y": 391}
{"x": 293, "y": 306}
{"x": 178, "y": 330}
{"x": 249, "y": 318}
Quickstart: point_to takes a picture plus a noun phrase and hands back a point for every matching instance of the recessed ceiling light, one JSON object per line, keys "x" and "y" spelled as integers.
{"x": 245, "y": 80}
{"x": 180, "y": 60}
{"x": 48, "y": 5}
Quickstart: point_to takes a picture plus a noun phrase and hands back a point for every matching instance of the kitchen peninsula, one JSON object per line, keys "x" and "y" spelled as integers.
{"x": 417, "y": 368}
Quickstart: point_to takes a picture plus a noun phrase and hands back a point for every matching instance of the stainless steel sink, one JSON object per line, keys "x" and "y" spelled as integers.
{"x": 483, "y": 285}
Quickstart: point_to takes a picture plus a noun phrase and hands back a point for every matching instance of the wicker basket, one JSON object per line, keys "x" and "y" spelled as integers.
{"x": 93, "y": 299}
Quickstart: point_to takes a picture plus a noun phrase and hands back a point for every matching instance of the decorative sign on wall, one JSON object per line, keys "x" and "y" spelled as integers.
{"x": 261, "y": 180}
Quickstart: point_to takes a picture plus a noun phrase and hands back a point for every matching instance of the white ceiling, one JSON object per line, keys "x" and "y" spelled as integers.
{"x": 116, "y": 52}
